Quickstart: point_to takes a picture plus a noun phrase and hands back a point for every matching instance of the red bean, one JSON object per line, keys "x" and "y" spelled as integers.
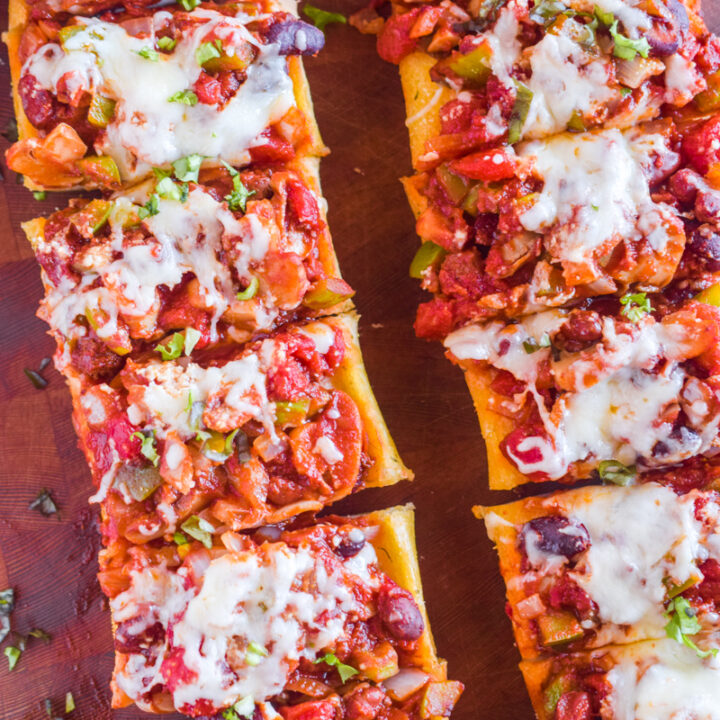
{"x": 399, "y": 613}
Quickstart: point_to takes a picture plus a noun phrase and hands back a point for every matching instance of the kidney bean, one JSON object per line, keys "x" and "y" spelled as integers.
{"x": 707, "y": 205}
{"x": 365, "y": 703}
{"x": 704, "y": 243}
{"x": 684, "y": 185}
{"x": 296, "y": 37}
{"x": 127, "y": 641}
{"x": 38, "y": 103}
{"x": 350, "y": 546}
{"x": 557, "y": 535}
{"x": 582, "y": 329}
{"x": 399, "y": 613}
{"x": 667, "y": 34}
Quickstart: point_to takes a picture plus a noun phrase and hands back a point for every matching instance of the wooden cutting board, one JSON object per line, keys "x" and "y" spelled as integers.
{"x": 51, "y": 562}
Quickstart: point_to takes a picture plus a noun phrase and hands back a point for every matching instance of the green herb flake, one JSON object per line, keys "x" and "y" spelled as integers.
{"x": 44, "y": 504}
{"x": 166, "y": 43}
{"x": 206, "y": 51}
{"x": 345, "y": 671}
{"x": 180, "y": 539}
{"x": 605, "y": 17}
{"x": 151, "y": 207}
{"x": 237, "y": 199}
{"x": 171, "y": 349}
{"x": 250, "y": 291}
{"x": 615, "y": 472}
{"x": 626, "y": 48}
{"x": 518, "y": 116}
{"x": 625, "y": 91}
{"x": 40, "y": 634}
{"x": 188, "y": 4}
{"x": 635, "y": 306}
{"x": 322, "y": 18}
{"x": 148, "y": 53}
{"x": 148, "y": 446}
{"x": 199, "y": 529}
{"x": 69, "y": 703}
{"x": 168, "y": 189}
{"x": 186, "y": 97}
{"x": 187, "y": 168}
{"x": 243, "y": 708}
{"x": 39, "y": 195}
{"x": 13, "y": 655}
{"x": 682, "y": 622}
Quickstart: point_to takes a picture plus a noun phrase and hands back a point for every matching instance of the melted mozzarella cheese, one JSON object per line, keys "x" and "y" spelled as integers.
{"x": 613, "y": 403}
{"x": 147, "y": 129}
{"x": 185, "y": 238}
{"x": 639, "y": 537}
{"x": 279, "y": 598}
{"x": 564, "y": 79}
{"x": 664, "y": 681}
{"x": 504, "y": 42}
{"x": 164, "y": 403}
{"x": 633, "y": 21}
{"x": 594, "y": 193}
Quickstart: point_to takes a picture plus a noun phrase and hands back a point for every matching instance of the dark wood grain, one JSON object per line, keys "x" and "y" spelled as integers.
{"x": 51, "y": 562}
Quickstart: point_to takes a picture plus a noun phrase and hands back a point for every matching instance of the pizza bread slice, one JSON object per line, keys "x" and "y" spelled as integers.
{"x": 220, "y": 81}
{"x": 611, "y": 389}
{"x": 476, "y": 74}
{"x": 599, "y": 566}
{"x": 243, "y": 435}
{"x": 654, "y": 680}
{"x": 323, "y": 619}
{"x": 510, "y": 231}
{"x": 174, "y": 264}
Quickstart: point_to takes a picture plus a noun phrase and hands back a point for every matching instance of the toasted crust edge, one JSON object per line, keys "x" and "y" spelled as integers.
{"x": 398, "y": 559}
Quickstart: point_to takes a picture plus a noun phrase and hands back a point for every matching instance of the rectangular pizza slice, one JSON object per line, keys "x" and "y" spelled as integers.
{"x": 244, "y": 434}
{"x": 322, "y": 620}
{"x": 513, "y": 230}
{"x": 191, "y": 259}
{"x": 610, "y": 389}
{"x": 600, "y": 566}
{"x": 100, "y": 101}
{"x": 654, "y": 680}
{"x": 480, "y": 73}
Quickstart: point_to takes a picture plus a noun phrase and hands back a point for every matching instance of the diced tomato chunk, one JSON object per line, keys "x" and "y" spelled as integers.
{"x": 313, "y": 710}
{"x": 701, "y": 147}
{"x": 395, "y": 42}
{"x": 490, "y": 166}
{"x": 435, "y": 319}
{"x": 302, "y": 206}
{"x": 709, "y": 588}
{"x": 574, "y": 705}
{"x": 274, "y": 148}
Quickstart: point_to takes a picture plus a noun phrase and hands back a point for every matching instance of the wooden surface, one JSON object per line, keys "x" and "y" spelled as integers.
{"x": 51, "y": 563}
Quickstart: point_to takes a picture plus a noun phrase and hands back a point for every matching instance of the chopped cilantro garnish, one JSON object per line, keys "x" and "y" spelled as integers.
{"x": 605, "y": 17}
{"x": 199, "y": 529}
{"x": 243, "y": 708}
{"x": 188, "y": 4}
{"x": 191, "y": 339}
{"x": 682, "y": 622}
{"x": 615, "y": 472}
{"x": 166, "y": 43}
{"x": 39, "y": 194}
{"x": 13, "y": 655}
{"x": 321, "y": 18}
{"x": 250, "y": 291}
{"x": 626, "y": 48}
{"x": 345, "y": 671}
{"x": 44, "y": 503}
{"x": 148, "y": 446}
{"x": 148, "y": 53}
{"x": 179, "y": 342}
{"x": 180, "y": 539}
{"x": 151, "y": 207}
{"x": 625, "y": 91}
{"x": 168, "y": 189}
{"x": 635, "y": 306}
{"x": 206, "y": 51}
{"x": 187, "y": 168}
{"x": 187, "y": 97}
{"x": 237, "y": 199}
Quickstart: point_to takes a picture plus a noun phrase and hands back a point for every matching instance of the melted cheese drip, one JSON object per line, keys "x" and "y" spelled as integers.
{"x": 564, "y": 79}
{"x": 281, "y": 598}
{"x": 186, "y": 238}
{"x": 663, "y": 681}
{"x": 148, "y": 129}
{"x": 593, "y": 192}
{"x": 615, "y": 406}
